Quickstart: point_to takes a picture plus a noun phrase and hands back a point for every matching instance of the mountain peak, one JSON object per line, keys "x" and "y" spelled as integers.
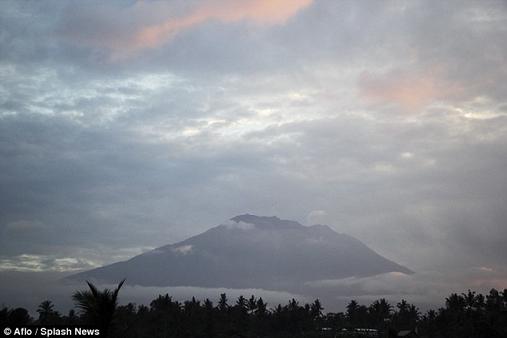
{"x": 265, "y": 222}
{"x": 251, "y": 252}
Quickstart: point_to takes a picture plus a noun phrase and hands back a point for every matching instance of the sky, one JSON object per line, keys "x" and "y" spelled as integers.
{"x": 127, "y": 125}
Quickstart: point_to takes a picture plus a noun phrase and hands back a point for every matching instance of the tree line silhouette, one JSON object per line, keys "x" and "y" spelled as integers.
{"x": 464, "y": 315}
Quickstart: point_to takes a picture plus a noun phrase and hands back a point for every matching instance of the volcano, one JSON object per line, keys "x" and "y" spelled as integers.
{"x": 250, "y": 251}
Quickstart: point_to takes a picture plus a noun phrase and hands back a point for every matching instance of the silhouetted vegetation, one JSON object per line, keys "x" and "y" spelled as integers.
{"x": 464, "y": 315}
{"x": 97, "y": 307}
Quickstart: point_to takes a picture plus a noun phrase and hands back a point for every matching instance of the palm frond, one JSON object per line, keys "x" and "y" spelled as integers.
{"x": 85, "y": 301}
{"x": 93, "y": 289}
{"x": 115, "y": 293}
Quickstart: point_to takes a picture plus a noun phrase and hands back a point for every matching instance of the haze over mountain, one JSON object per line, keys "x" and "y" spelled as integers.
{"x": 251, "y": 252}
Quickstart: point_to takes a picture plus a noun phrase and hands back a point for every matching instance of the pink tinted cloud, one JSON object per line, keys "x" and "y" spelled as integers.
{"x": 407, "y": 89}
{"x": 267, "y": 12}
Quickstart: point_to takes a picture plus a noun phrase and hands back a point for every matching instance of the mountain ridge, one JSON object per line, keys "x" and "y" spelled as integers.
{"x": 251, "y": 251}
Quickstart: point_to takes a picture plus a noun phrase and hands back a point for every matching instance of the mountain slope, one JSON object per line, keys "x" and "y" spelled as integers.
{"x": 251, "y": 252}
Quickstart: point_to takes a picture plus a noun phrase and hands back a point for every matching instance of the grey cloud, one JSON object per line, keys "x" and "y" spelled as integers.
{"x": 101, "y": 157}
{"x": 29, "y": 289}
{"x": 426, "y": 289}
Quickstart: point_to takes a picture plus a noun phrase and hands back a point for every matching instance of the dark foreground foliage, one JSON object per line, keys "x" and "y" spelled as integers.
{"x": 464, "y": 315}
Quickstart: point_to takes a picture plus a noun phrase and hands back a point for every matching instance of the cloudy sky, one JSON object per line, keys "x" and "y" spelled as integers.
{"x": 126, "y": 125}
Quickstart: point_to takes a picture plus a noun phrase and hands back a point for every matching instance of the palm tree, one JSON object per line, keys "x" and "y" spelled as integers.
{"x": 380, "y": 311}
{"x": 261, "y": 308}
{"x": 252, "y": 305}
{"x": 47, "y": 314}
{"x": 407, "y": 315}
{"x": 470, "y": 300}
{"x": 222, "y": 303}
{"x": 455, "y": 303}
{"x": 98, "y": 307}
{"x": 352, "y": 313}
{"x": 316, "y": 309}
